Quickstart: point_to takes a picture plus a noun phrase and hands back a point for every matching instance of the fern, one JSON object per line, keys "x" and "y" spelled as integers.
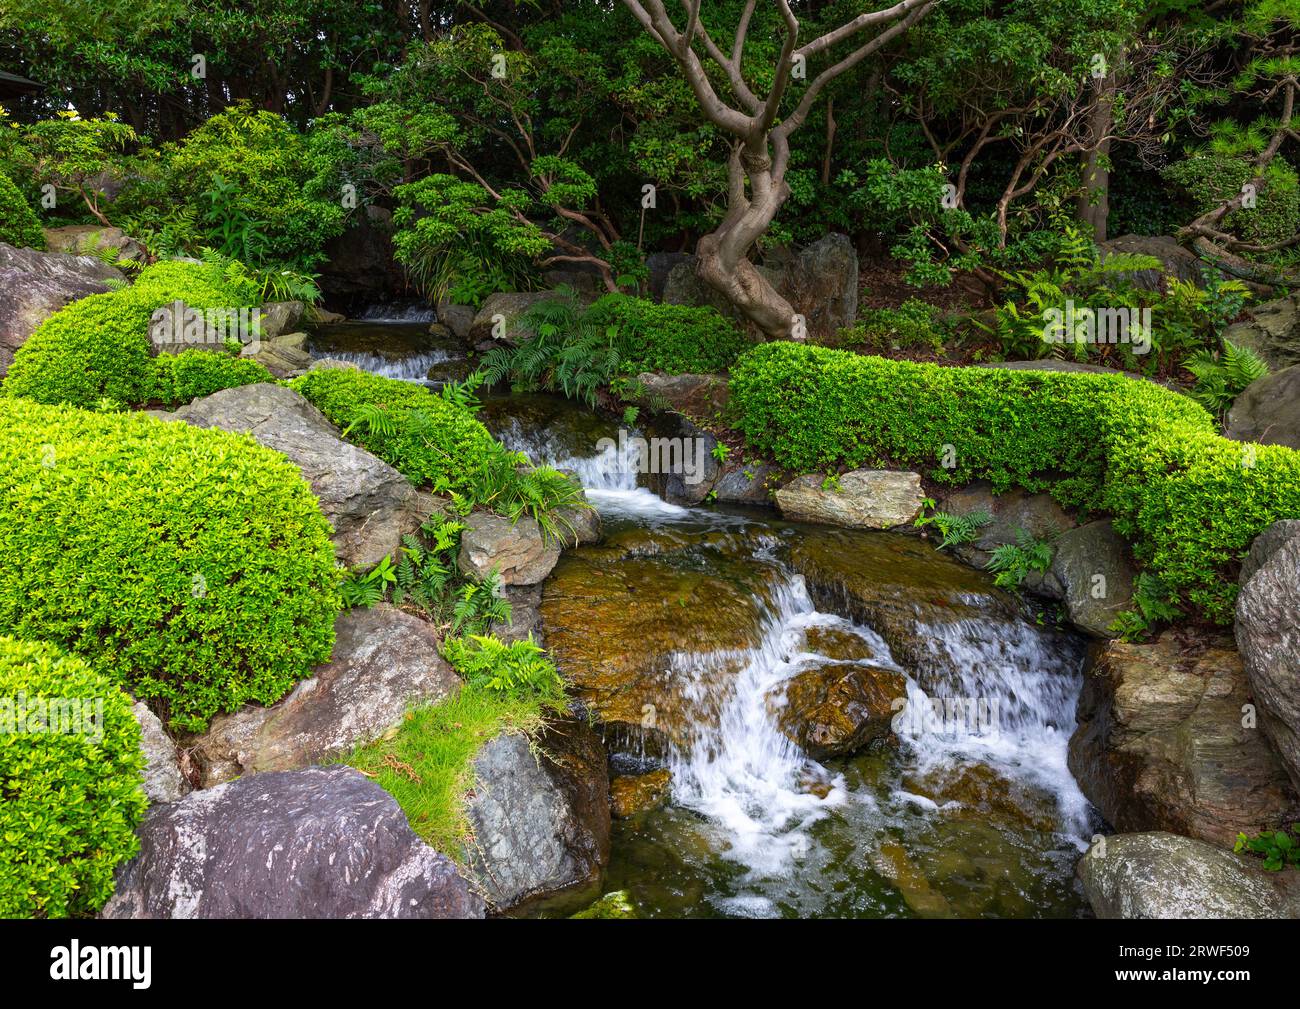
{"x": 1012, "y": 563}
{"x": 1221, "y": 378}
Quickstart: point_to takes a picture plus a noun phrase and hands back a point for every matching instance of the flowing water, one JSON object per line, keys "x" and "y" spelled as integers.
{"x": 701, "y": 617}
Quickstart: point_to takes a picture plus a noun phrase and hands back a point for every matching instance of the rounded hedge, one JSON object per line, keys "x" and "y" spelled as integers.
{"x": 99, "y": 348}
{"x": 71, "y": 772}
{"x": 193, "y": 566}
{"x": 19, "y": 225}
{"x": 179, "y": 378}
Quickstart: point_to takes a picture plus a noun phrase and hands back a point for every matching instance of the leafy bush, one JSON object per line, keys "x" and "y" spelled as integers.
{"x": 1191, "y": 501}
{"x": 671, "y": 338}
{"x": 72, "y": 798}
{"x": 193, "y": 566}
{"x": 914, "y": 324}
{"x": 98, "y": 347}
{"x": 19, "y": 225}
{"x": 1012, "y": 563}
{"x": 179, "y": 378}
{"x": 1277, "y": 848}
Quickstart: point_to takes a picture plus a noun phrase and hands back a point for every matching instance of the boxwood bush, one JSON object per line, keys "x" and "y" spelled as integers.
{"x": 672, "y": 338}
{"x": 1190, "y": 501}
{"x": 193, "y": 566}
{"x": 99, "y": 347}
{"x": 72, "y": 788}
{"x": 179, "y": 378}
{"x": 19, "y": 225}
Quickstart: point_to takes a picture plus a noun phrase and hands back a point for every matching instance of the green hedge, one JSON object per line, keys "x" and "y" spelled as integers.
{"x": 71, "y": 798}
{"x": 1191, "y": 501}
{"x": 19, "y": 225}
{"x": 179, "y": 378}
{"x": 672, "y": 338}
{"x": 99, "y": 347}
{"x": 449, "y": 451}
{"x": 194, "y": 566}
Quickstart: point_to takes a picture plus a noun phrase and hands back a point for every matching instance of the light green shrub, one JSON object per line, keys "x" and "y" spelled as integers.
{"x": 19, "y": 225}
{"x": 179, "y": 378}
{"x": 71, "y": 798}
{"x": 193, "y": 566}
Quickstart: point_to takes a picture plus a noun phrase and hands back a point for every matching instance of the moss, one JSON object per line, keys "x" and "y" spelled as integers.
{"x": 613, "y": 905}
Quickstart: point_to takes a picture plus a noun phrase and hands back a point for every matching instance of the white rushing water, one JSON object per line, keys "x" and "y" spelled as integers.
{"x": 410, "y": 367}
{"x": 401, "y": 311}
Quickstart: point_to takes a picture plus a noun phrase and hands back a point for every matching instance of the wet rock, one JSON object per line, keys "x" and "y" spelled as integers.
{"x": 579, "y": 526}
{"x": 86, "y": 239}
{"x": 370, "y": 504}
{"x": 1268, "y": 412}
{"x": 541, "y": 820}
{"x": 836, "y": 708}
{"x": 1091, "y": 573}
{"x": 163, "y": 779}
{"x": 1160, "y": 875}
{"x": 1012, "y": 514}
{"x": 320, "y": 843}
{"x": 1161, "y": 744}
{"x": 750, "y": 484}
{"x": 34, "y": 285}
{"x": 1267, "y": 629}
{"x": 516, "y": 551}
{"x": 680, "y": 459}
{"x": 862, "y": 499}
{"x": 525, "y": 614}
{"x": 701, "y": 397}
{"x": 280, "y": 318}
{"x": 613, "y": 905}
{"x": 630, "y": 794}
{"x": 978, "y": 791}
{"x": 893, "y": 862}
{"x": 1272, "y": 332}
{"x": 385, "y": 661}
{"x": 457, "y": 318}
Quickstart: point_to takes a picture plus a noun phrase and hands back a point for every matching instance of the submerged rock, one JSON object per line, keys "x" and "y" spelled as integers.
{"x": 385, "y": 661}
{"x": 1160, "y": 875}
{"x": 860, "y": 499}
{"x": 1268, "y": 633}
{"x": 541, "y": 819}
{"x": 630, "y": 794}
{"x": 370, "y": 504}
{"x": 1161, "y": 744}
{"x": 613, "y": 905}
{"x": 835, "y": 708}
{"x": 320, "y": 843}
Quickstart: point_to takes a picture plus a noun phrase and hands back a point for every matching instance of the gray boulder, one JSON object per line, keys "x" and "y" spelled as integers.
{"x": 1091, "y": 573}
{"x": 749, "y": 484}
{"x": 84, "y": 239}
{"x": 1011, "y": 513}
{"x": 541, "y": 819}
{"x": 320, "y": 843}
{"x": 863, "y": 499}
{"x": 1159, "y": 875}
{"x": 660, "y": 265}
{"x": 1177, "y": 261}
{"x": 509, "y": 306}
{"x": 1272, "y": 332}
{"x": 459, "y": 319}
{"x": 1267, "y": 628}
{"x": 370, "y": 504}
{"x": 517, "y": 551}
{"x": 280, "y": 317}
{"x": 821, "y": 284}
{"x": 385, "y": 662}
{"x": 164, "y": 781}
{"x": 702, "y": 397}
{"x": 1268, "y": 411}
{"x": 34, "y": 285}
{"x": 1266, "y": 544}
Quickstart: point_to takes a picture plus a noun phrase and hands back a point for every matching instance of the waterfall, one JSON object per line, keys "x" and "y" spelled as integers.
{"x": 410, "y": 367}
{"x": 398, "y": 311}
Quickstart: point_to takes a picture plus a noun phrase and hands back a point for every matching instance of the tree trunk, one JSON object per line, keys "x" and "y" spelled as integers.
{"x": 1094, "y": 201}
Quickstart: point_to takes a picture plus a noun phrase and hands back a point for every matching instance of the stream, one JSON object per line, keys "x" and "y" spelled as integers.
{"x": 683, "y": 632}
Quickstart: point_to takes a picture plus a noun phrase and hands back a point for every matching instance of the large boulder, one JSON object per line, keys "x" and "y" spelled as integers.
{"x": 1272, "y": 332}
{"x": 746, "y": 483}
{"x": 861, "y": 499}
{"x": 541, "y": 819}
{"x": 1012, "y": 514}
{"x": 370, "y": 504}
{"x": 281, "y": 317}
{"x": 1163, "y": 744}
{"x": 385, "y": 661}
{"x": 1091, "y": 573}
{"x": 1268, "y": 411}
{"x": 87, "y": 239}
{"x": 1160, "y": 875}
{"x": 34, "y": 285}
{"x": 506, "y": 308}
{"x": 821, "y": 284}
{"x": 1177, "y": 262}
{"x": 700, "y": 397}
{"x": 325, "y": 842}
{"x": 517, "y": 551}
{"x": 1268, "y": 633}
{"x": 164, "y": 780}
{"x": 660, "y": 265}
{"x": 835, "y": 708}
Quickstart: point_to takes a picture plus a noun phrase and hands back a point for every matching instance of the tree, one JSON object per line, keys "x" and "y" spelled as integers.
{"x": 752, "y": 115}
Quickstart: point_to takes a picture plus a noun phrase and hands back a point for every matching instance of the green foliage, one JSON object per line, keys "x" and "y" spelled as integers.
{"x": 99, "y": 346}
{"x": 72, "y": 799}
{"x": 1213, "y": 176}
{"x": 192, "y": 566}
{"x": 1012, "y": 563}
{"x": 1190, "y": 501}
{"x": 180, "y": 378}
{"x": 672, "y": 338}
{"x": 1278, "y": 848}
{"x": 1221, "y": 378}
{"x": 1151, "y": 606}
{"x": 19, "y": 225}
{"x": 487, "y": 663}
{"x": 913, "y": 325}
{"x": 954, "y": 530}
{"x": 75, "y": 155}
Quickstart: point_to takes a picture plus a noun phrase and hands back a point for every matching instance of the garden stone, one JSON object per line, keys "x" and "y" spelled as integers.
{"x": 280, "y": 317}
{"x": 1012, "y": 513}
{"x": 86, "y": 239}
{"x": 1176, "y": 261}
{"x": 510, "y": 306}
{"x": 1272, "y": 331}
{"x": 457, "y": 318}
{"x": 517, "y": 551}
{"x": 863, "y": 499}
{"x": 325, "y": 842}
{"x": 1091, "y": 573}
{"x": 1268, "y": 411}
{"x": 164, "y": 781}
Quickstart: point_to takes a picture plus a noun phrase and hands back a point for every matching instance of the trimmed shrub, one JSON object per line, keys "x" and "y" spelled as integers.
{"x": 99, "y": 347}
{"x": 448, "y": 450}
{"x": 181, "y": 377}
{"x": 672, "y": 338}
{"x": 71, "y": 772}
{"x": 19, "y": 225}
{"x": 193, "y": 566}
{"x": 1191, "y": 501}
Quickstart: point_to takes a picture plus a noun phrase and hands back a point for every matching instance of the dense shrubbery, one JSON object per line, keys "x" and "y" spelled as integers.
{"x": 72, "y": 788}
{"x": 192, "y": 566}
{"x": 1191, "y": 501}
{"x": 19, "y": 225}
{"x": 671, "y": 338}
{"x": 179, "y": 378}
{"x": 98, "y": 347}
